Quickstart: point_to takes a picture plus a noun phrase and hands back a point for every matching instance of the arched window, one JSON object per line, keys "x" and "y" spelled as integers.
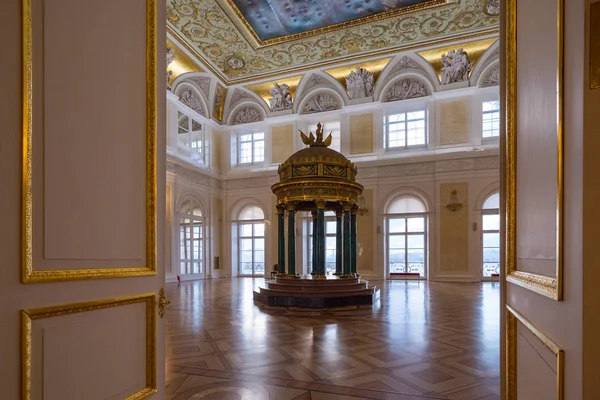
{"x": 406, "y": 236}
{"x": 490, "y": 236}
{"x": 191, "y": 240}
{"x": 250, "y": 230}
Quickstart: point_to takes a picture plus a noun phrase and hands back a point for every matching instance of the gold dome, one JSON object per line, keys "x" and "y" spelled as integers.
{"x": 316, "y": 174}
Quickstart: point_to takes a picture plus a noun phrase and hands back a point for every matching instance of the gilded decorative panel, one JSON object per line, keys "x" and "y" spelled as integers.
{"x": 212, "y": 35}
{"x": 282, "y": 142}
{"x": 48, "y": 118}
{"x": 33, "y": 347}
{"x": 454, "y": 122}
{"x": 454, "y": 229}
{"x": 534, "y": 151}
{"x": 361, "y": 133}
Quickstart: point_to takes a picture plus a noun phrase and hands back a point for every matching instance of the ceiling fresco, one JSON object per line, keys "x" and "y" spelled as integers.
{"x": 270, "y": 19}
{"x": 213, "y": 31}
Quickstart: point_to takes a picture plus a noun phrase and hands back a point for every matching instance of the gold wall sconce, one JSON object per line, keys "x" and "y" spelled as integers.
{"x": 362, "y": 205}
{"x": 453, "y": 204}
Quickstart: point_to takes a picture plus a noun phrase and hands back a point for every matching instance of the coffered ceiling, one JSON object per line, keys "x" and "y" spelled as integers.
{"x": 248, "y": 40}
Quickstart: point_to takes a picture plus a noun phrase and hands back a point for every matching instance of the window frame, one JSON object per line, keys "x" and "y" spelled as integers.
{"x": 424, "y": 233}
{"x": 488, "y": 211}
{"x": 188, "y": 149}
{"x": 252, "y": 142}
{"x": 186, "y": 222}
{"x": 420, "y": 106}
{"x": 483, "y": 113}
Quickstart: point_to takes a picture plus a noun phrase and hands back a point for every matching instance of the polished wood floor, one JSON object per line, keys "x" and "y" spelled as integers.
{"x": 421, "y": 341}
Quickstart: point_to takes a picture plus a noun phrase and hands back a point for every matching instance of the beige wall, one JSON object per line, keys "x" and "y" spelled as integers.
{"x": 216, "y": 141}
{"x": 361, "y": 133}
{"x": 454, "y": 122}
{"x": 365, "y": 229}
{"x": 282, "y": 142}
{"x": 454, "y": 229}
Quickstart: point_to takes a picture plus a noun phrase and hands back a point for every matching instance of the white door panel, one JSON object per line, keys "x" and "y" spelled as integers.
{"x": 82, "y": 166}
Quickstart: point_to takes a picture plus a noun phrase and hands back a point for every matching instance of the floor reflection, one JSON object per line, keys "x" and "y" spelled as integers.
{"x": 422, "y": 340}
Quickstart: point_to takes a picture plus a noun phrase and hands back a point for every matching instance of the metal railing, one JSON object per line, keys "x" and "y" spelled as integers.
{"x": 408, "y": 268}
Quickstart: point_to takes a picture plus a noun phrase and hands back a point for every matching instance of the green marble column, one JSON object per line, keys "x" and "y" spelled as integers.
{"x": 347, "y": 243}
{"x": 353, "y": 242}
{"x": 339, "y": 244}
{"x": 313, "y": 270}
{"x": 292, "y": 241}
{"x": 281, "y": 241}
{"x": 320, "y": 253}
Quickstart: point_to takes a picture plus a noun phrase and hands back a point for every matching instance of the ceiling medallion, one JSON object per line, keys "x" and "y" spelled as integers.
{"x": 235, "y": 63}
{"x": 491, "y": 7}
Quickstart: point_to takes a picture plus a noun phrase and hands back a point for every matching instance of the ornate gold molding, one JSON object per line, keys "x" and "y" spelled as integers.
{"x": 224, "y": 50}
{"x": 28, "y": 273}
{"x": 27, "y": 317}
{"x": 512, "y": 317}
{"x": 544, "y": 285}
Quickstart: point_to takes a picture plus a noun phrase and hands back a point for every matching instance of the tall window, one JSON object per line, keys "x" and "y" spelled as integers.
{"x": 251, "y": 148}
{"x": 406, "y": 243}
{"x": 191, "y": 246}
{"x": 251, "y": 241}
{"x": 491, "y": 119}
{"x": 490, "y": 231}
{"x": 330, "y": 241}
{"x": 333, "y": 127}
{"x": 406, "y": 129}
{"x": 190, "y": 135}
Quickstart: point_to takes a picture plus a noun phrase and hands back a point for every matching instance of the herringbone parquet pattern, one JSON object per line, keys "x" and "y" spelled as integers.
{"x": 422, "y": 341}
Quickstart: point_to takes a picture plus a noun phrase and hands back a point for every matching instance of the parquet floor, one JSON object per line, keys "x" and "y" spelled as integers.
{"x": 422, "y": 341}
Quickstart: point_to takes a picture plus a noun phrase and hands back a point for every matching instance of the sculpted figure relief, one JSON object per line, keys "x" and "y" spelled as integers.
{"x": 360, "y": 83}
{"x": 246, "y": 115}
{"x": 405, "y": 89}
{"x": 493, "y": 78}
{"x": 282, "y": 98}
{"x": 320, "y": 102}
{"x": 189, "y": 98}
{"x": 170, "y": 57}
{"x": 456, "y": 66}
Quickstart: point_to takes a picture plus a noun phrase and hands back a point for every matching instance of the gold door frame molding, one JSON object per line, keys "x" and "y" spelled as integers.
{"x": 512, "y": 316}
{"x": 27, "y": 317}
{"x": 28, "y": 273}
{"x": 550, "y": 286}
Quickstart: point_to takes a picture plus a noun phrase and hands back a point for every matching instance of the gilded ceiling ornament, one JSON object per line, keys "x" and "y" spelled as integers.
{"x": 235, "y": 63}
{"x": 360, "y": 83}
{"x": 491, "y": 7}
{"x": 246, "y": 115}
{"x": 282, "y": 99}
{"x": 217, "y": 37}
{"x": 405, "y": 89}
{"x": 321, "y": 102}
{"x": 455, "y": 66}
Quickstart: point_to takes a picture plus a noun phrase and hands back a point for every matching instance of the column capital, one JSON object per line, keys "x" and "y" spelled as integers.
{"x": 339, "y": 214}
{"x": 320, "y": 203}
{"x": 292, "y": 206}
{"x": 280, "y": 209}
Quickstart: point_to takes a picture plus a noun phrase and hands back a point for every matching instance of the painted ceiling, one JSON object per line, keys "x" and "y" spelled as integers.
{"x": 271, "y": 19}
{"x": 221, "y": 36}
